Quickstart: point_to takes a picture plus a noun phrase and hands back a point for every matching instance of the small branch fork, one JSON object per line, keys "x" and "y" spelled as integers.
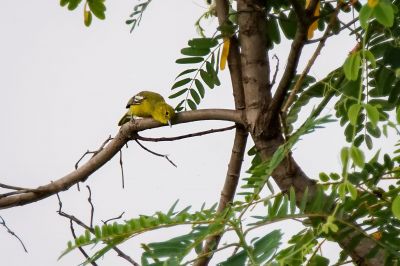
{"x": 90, "y": 228}
{"x": 3, "y": 223}
{"x": 155, "y": 153}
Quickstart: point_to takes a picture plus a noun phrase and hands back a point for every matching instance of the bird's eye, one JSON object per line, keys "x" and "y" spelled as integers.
{"x": 166, "y": 113}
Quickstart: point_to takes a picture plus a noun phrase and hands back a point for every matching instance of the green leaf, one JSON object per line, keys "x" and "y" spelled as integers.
{"x": 384, "y": 13}
{"x": 304, "y": 201}
{"x": 292, "y": 197}
{"x": 238, "y": 259}
{"x": 212, "y": 73}
{"x": 187, "y": 71}
{"x": 352, "y": 189}
{"x": 207, "y": 79}
{"x": 351, "y": 66}
{"x": 368, "y": 142}
{"x": 181, "y": 82}
{"x": 288, "y": 24}
{"x": 372, "y": 113}
{"x": 358, "y": 156}
{"x": 195, "y": 96}
{"x": 72, "y": 4}
{"x": 365, "y": 14}
{"x": 323, "y": 177}
{"x": 353, "y": 112}
{"x": 342, "y": 190}
{"x": 398, "y": 114}
{"x": 396, "y": 207}
{"x": 87, "y": 18}
{"x": 203, "y": 43}
{"x": 344, "y": 156}
{"x": 200, "y": 87}
{"x": 98, "y": 8}
{"x": 191, "y": 51}
{"x": 189, "y": 60}
{"x": 266, "y": 246}
{"x": 370, "y": 57}
{"x": 191, "y": 104}
{"x": 177, "y": 94}
{"x": 318, "y": 260}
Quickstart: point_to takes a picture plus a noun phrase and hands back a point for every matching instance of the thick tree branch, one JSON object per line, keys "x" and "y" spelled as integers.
{"x": 124, "y": 135}
{"x": 241, "y": 135}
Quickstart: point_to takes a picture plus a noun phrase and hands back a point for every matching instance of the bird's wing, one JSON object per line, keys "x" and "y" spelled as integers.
{"x": 137, "y": 99}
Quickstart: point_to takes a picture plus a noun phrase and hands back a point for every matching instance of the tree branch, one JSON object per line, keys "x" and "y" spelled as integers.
{"x": 241, "y": 135}
{"x": 104, "y": 155}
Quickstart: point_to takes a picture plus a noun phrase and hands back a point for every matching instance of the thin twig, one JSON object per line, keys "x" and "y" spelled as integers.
{"x": 155, "y": 153}
{"x": 315, "y": 251}
{"x": 71, "y": 226}
{"x": 276, "y": 70}
{"x": 201, "y": 133}
{"x": 91, "y": 206}
{"x": 112, "y": 219}
{"x": 122, "y": 169}
{"x": 119, "y": 252}
{"x": 13, "y": 187}
{"x": 93, "y": 152}
{"x": 3, "y": 223}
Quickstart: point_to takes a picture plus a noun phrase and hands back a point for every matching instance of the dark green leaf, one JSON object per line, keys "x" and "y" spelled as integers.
{"x": 181, "y": 82}
{"x": 191, "y": 51}
{"x": 98, "y": 8}
{"x": 304, "y": 201}
{"x": 266, "y": 246}
{"x": 212, "y": 73}
{"x": 238, "y": 259}
{"x": 189, "y": 60}
{"x": 207, "y": 79}
{"x": 177, "y": 94}
{"x": 323, "y": 177}
{"x": 191, "y": 104}
{"x": 203, "y": 43}
{"x": 187, "y": 71}
{"x": 200, "y": 87}
{"x": 195, "y": 96}
{"x": 318, "y": 260}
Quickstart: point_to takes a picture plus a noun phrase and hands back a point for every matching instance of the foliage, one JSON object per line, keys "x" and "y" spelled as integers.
{"x": 361, "y": 201}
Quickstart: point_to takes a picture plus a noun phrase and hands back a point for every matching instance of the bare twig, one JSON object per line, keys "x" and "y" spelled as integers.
{"x": 112, "y": 219}
{"x": 122, "y": 169}
{"x": 13, "y": 187}
{"x": 71, "y": 226}
{"x": 3, "y": 223}
{"x": 119, "y": 252}
{"x": 155, "y": 153}
{"x": 276, "y": 70}
{"x": 201, "y": 133}
{"x": 91, "y": 206}
{"x": 93, "y": 152}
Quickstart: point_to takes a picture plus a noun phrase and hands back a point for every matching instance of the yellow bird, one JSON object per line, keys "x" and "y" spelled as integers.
{"x": 148, "y": 104}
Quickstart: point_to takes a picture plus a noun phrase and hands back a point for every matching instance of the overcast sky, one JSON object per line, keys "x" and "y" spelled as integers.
{"x": 63, "y": 89}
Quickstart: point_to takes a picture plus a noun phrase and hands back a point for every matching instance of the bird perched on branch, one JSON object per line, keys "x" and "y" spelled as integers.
{"x": 148, "y": 104}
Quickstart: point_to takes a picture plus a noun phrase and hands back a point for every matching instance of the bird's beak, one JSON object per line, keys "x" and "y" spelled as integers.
{"x": 169, "y": 123}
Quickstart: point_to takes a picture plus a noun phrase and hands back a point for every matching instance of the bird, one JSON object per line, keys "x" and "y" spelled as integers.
{"x": 148, "y": 104}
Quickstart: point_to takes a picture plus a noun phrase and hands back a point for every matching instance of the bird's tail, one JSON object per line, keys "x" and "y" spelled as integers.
{"x": 126, "y": 118}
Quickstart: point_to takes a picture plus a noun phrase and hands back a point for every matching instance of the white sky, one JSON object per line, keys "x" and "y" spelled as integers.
{"x": 63, "y": 89}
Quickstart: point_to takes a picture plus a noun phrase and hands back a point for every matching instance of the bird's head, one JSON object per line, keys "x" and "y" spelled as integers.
{"x": 164, "y": 113}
